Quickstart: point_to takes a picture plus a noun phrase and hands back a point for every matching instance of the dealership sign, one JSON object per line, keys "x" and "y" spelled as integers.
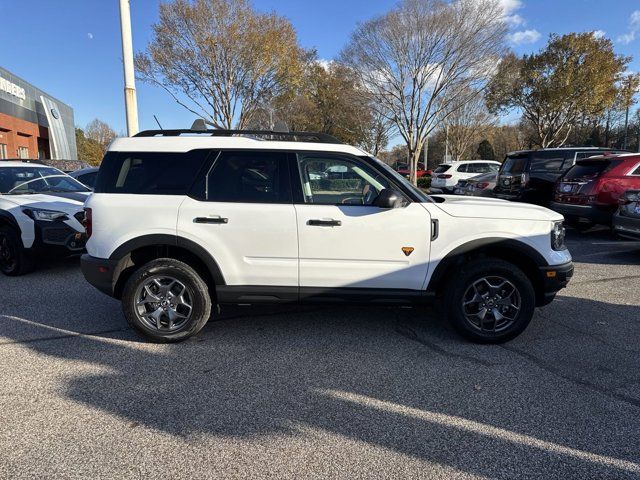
{"x": 12, "y": 89}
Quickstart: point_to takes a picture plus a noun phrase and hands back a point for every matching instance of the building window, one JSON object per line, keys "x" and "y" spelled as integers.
{"x": 3, "y": 151}
{"x": 23, "y": 152}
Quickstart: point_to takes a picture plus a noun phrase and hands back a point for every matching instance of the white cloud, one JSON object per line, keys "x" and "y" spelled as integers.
{"x": 598, "y": 33}
{"x": 634, "y": 27}
{"x": 509, "y": 8}
{"x": 524, "y": 36}
{"x": 90, "y": 36}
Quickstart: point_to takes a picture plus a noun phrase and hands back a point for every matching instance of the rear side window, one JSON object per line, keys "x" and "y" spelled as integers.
{"x": 88, "y": 179}
{"x": 150, "y": 173}
{"x": 547, "y": 161}
{"x": 481, "y": 167}
{"x": 247, "y": 177}
{"x": 589, "y": 169}
{"x": 442, "y": 168}
{"x": 515, "y": 164}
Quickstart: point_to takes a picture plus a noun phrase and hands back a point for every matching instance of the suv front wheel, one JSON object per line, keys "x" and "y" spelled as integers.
{"x": 166, "y": 301}
{"x": 490, "y": 301}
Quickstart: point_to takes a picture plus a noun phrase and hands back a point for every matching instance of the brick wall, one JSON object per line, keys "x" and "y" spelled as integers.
{"x": 16, "y": 133}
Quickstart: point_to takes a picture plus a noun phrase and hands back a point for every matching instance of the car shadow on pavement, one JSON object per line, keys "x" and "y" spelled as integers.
{"x": 562, "y": 399}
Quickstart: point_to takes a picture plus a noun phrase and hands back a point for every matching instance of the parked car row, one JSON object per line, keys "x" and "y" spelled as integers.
{"x": 586, "y": 184}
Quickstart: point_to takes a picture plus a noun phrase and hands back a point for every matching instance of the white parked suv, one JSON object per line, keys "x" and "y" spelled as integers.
{"x": 446, "y": 175}
{"x": 182, "y": 221}
{"x": 41, "y": 213}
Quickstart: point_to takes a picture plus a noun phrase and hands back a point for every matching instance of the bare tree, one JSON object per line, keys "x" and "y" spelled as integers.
{"x": 424, "y": 56}
{"x": 220, "y": 59}
{"x": 100, "y": 132}
{"x": 467, "y": 124}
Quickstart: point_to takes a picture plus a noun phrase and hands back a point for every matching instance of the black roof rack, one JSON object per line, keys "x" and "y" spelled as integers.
{"x": 263, "y": 134}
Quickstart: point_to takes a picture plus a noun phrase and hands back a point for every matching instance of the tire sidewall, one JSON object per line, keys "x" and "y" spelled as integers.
{"x": 473, "y": 272}
{"x": 15, "y": 245}
{"x": 185, "y": 274}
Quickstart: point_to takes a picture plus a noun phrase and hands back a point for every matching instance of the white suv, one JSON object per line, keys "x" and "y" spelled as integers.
{"x": 182, "y": 221}
{"x": 446, "y": 175}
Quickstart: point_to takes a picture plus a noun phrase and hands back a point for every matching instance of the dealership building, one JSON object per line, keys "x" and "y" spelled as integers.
{"x": 33, "y": 124}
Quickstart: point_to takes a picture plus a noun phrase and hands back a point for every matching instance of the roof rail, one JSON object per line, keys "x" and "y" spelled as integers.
{"x": 263, "y": 134}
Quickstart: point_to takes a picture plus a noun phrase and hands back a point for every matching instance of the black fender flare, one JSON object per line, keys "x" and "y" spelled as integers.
{"x": 159, "y": 239}
{"x": 454, "y": 256}
{"x": 6, "y": 217}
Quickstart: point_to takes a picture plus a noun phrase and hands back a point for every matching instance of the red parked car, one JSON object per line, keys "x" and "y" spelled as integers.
{"x": 588, "y": 193}
{"x": 403, "y": 169}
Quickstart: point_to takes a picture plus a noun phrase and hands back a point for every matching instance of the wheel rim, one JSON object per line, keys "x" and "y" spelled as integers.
{"x": 163, "y": 303}
{"x": 491, "y": 304}
{"x": 7, "y": 258}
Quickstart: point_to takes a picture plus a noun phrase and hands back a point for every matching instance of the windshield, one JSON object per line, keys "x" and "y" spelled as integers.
{"x": 403, "y": 180}
{"x": 29, "y": 180}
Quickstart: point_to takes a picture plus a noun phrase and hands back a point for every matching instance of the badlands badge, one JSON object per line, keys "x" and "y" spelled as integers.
{"x": 407, "y": 251}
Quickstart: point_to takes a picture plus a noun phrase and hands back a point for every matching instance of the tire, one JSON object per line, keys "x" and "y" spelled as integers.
{"x": 471, "y": 283}
{"x": 14, "y": 261}
{"x": 155, "y": 300}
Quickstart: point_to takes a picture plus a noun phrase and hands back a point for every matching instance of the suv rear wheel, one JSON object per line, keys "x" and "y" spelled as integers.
{"x": 490, "y": 301}
{"x": 166, "y": 300}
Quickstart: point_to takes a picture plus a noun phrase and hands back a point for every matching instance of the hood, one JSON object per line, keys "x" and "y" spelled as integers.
{"x": 70, "y": 203}
{"x": 483, "y": 207}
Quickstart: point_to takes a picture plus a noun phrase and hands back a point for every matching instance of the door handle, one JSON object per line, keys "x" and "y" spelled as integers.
{"x": 324, "y": 223}
{"x": 210, "y": 220}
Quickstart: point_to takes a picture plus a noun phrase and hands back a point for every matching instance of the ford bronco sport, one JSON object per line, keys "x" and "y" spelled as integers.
{"x": 182, "y": 221}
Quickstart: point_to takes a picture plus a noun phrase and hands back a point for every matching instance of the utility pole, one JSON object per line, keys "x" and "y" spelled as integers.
{"x": 446, "y": 144}
{"x": 130, "y": 100}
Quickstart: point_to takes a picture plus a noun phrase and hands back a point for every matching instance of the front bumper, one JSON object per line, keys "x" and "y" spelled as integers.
{"x": 57, "y": 237}
{"x": 626, "y": 226}
{"x": 102, "y": 273}
{"x": 554, "y": 278}
{"x": 590, "y": 213}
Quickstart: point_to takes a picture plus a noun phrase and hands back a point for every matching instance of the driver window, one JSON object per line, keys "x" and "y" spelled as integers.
{"x": 330, "y": 180}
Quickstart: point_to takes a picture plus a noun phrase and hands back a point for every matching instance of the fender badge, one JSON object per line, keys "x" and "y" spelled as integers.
{"x": 407, "y": 251}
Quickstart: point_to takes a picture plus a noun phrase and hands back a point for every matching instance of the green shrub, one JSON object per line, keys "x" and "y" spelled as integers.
{"x": 424, "y": 182}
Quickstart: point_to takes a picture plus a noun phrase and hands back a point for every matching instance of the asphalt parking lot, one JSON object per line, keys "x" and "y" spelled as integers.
{"x": 323, "y": 391}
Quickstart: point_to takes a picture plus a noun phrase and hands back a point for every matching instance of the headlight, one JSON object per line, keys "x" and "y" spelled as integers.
{"x": 557, "y": 236}
{"x": 46, "y": 215}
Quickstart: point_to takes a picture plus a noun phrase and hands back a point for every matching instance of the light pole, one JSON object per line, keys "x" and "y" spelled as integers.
{"x": 130, "y": 100}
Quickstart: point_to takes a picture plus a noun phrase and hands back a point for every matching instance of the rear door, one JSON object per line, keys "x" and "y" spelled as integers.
{"x": 347, "y": 242}
{"x": 240, "y": 210}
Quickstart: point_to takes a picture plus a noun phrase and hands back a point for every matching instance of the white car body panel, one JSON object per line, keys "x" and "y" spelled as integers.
{"x": 365, "y": 251}
{"x": 123, "y": 217}
{"x": 258, "y": 245}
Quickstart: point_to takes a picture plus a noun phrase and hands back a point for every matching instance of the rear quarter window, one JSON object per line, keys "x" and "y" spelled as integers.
{"x": 548, "y": 161}
{"x": 150, "y": 173}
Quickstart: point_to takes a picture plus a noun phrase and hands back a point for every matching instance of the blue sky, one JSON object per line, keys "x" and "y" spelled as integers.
{"x": 71, "y": 48}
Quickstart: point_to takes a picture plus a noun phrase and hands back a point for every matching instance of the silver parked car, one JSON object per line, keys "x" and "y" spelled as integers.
{"x": 626, "y": 221}
{"x": 482, "y": 185}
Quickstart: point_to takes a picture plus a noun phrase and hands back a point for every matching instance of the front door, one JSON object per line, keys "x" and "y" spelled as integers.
{"x": 347, "y": 242}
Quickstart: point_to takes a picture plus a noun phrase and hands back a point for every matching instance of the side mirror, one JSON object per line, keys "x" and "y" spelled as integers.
{"x": 388, "y": 198}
